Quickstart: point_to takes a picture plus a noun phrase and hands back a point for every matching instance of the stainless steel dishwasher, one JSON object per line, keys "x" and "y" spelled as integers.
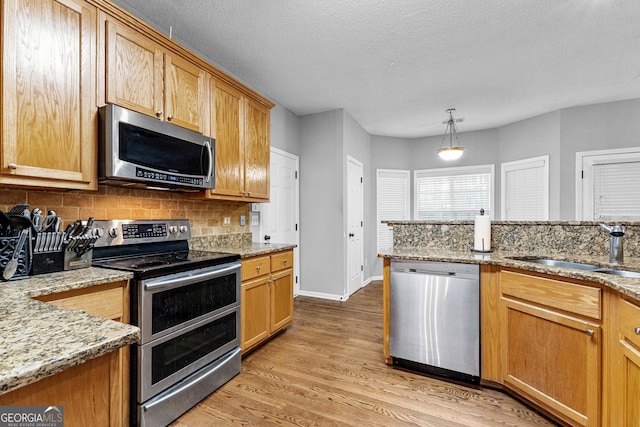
{"x": 434, "y": 323}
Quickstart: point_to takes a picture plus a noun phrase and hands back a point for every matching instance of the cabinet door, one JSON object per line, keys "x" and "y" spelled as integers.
{"x": 185, "y": 93}
{"x": 281, "y": 299}
{"x": 227, "y": 119}
{"x": 254, "y": 312}
{"x": 49, "y": 119}
{"x": 134, "y": 70}
{"x": 554, "y": 360}
{"x": 625, "y": 385}
{"x": 257, "y": 151}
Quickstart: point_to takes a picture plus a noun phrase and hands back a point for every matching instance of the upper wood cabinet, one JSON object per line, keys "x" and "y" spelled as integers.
{"x": 142, "y": 76}
{"x": 49, "y": 116}
{"x": 240, "y": 126}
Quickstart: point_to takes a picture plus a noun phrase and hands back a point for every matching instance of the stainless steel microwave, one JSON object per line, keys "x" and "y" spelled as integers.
{"x": 142, "y": 151}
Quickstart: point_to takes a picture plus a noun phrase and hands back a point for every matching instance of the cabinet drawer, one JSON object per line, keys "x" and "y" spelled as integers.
{"x": 281, "y": 261}
{"x": 569, "y": 297}
{"x": 629, "y": 322}
{"x": 255, "y": 267}
{"x": 106, "y": 303}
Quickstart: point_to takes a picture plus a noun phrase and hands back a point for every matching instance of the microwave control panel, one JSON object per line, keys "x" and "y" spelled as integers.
{"x": 165, "y": 177}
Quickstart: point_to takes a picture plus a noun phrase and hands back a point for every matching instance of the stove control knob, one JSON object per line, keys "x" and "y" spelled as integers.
{"x": 99, "y": 232}
{"x": 114, "y": 232}
{"x": 173, "y": 229}
{"x": 183, "y": 228}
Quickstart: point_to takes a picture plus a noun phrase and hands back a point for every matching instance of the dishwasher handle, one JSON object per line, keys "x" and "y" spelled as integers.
{"x": 429, "y": 272}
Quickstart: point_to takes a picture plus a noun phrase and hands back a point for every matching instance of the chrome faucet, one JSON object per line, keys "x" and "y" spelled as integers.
{"x": 616, "y": 252}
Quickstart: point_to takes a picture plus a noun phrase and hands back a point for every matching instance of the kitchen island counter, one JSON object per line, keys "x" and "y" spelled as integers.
{"x": 624, "y": 285}
{"x": 40, "y": 339}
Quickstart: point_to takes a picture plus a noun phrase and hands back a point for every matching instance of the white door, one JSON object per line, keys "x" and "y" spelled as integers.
{"x": 355, "y": 248}
{"x": 279, "y": 217}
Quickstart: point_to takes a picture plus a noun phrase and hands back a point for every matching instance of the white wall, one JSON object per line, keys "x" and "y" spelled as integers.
{"x": 321, "y": 205}
{"x": 593, "y": 127}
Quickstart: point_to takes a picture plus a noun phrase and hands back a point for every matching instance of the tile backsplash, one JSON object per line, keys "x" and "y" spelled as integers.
{"x": 125, "y": 203}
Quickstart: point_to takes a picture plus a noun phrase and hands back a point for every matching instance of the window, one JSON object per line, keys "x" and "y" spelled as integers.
{"x": 455, "y": 194}
{"x": 608, "y": 185}
{"x": 525, "y": 189}
{"x": 392, "y": 193}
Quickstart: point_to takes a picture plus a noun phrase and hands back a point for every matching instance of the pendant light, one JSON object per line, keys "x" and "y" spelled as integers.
{"x": 450, "y": 152}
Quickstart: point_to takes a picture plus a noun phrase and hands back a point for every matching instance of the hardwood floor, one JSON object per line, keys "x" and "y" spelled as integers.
{"x": 327, "y": 369}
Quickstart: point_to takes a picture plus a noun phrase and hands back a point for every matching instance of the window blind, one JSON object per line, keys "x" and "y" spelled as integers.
{"x": 453, "y": 193}
{"x": 393, "y": 201}
{"x": 616, "y": 191}
{"x": 525, "y": 189}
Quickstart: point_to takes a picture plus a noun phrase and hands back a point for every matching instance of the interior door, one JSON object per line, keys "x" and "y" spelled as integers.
{"x": 279, "y": 217}
{"x": 355, "y": 247}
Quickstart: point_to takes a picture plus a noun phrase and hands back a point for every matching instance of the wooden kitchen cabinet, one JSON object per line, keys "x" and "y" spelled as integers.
{"x": 49, "y": 119}
{"x": 97, "y": 391}
{"x": 142, "y": 76}
{"x": 267, "y": 297}
{"x": 552, "y": 345}
{"x": 240, "y": 126}
{"x": 625, "y": 365}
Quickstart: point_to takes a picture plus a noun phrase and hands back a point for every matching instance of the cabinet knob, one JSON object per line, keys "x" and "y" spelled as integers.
{"x": 637, "y": 330}
{"x": 158, "y": 113}
{"x": 590, "y": 332}
{"x": 258, "y": 267}
{"x": 284, "y": 261}
{"x": 169, "y": 117}
{"x": 12, "y": 166}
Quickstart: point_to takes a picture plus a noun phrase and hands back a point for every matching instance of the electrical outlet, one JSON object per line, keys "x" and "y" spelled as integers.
{"x": 226, "y": 220}
{"x": 243, "y": 220}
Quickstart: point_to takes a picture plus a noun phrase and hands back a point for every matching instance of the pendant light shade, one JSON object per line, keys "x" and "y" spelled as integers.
{"x": 450, "y": 151}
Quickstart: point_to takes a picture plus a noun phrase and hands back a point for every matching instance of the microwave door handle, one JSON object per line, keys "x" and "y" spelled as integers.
{"x": 207, "y": 144}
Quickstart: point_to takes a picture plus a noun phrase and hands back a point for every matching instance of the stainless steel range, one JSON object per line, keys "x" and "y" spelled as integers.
{"x": 187, "y": 306}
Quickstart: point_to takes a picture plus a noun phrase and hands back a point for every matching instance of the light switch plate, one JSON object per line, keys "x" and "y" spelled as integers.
{"x": 243, "y": 220}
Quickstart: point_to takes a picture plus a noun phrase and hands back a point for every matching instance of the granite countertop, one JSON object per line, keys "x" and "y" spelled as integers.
{"x": 625, "y": 285}
{"x": 247, "y": 250}
{"x": 39, "y": 339}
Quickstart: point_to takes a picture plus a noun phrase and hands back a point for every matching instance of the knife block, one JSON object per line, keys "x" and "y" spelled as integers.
{"x": 72, "y": 261}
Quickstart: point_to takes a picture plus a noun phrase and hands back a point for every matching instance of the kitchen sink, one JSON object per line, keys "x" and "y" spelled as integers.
{"x": 621, "y": 273}
{"x": 581, "y": 266}
{"x": 558, "y": 263}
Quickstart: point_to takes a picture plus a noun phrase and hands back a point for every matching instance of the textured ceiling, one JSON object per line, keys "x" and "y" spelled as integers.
{"x": 396, "y": 65}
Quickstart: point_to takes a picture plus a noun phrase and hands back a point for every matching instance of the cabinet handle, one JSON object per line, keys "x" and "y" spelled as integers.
{"x": 12, "y": 166}
{"x": 169, "y": 117}
{"x": 158, "y": 113}
{"x": 590, "y": 332}
{"x": 284, "y": 261}
{"x": 637, "y": 330}
{"x": 258, "y": 267}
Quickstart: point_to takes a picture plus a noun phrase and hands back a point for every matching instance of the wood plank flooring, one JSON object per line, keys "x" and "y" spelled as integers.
{"x": 327, "y": 369}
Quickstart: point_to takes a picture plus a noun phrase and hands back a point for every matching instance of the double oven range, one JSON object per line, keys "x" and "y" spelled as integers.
{"x": 187, "y": 306}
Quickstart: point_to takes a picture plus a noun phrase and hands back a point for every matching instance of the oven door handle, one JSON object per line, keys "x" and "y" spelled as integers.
{"x": 189, "y": 278}
{"x": 186, "y": 385}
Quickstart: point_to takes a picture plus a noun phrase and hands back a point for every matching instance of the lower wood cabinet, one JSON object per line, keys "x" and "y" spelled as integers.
{"x": 551, "y": 345}
{"x": 267, "y": 297}
{"x": 96, "y": 392}
{"x": 625, "y": 365}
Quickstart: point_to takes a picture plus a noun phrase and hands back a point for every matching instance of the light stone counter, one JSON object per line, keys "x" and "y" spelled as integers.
{"x": 38, "y": 339}
{"x": 626, "y": 286}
